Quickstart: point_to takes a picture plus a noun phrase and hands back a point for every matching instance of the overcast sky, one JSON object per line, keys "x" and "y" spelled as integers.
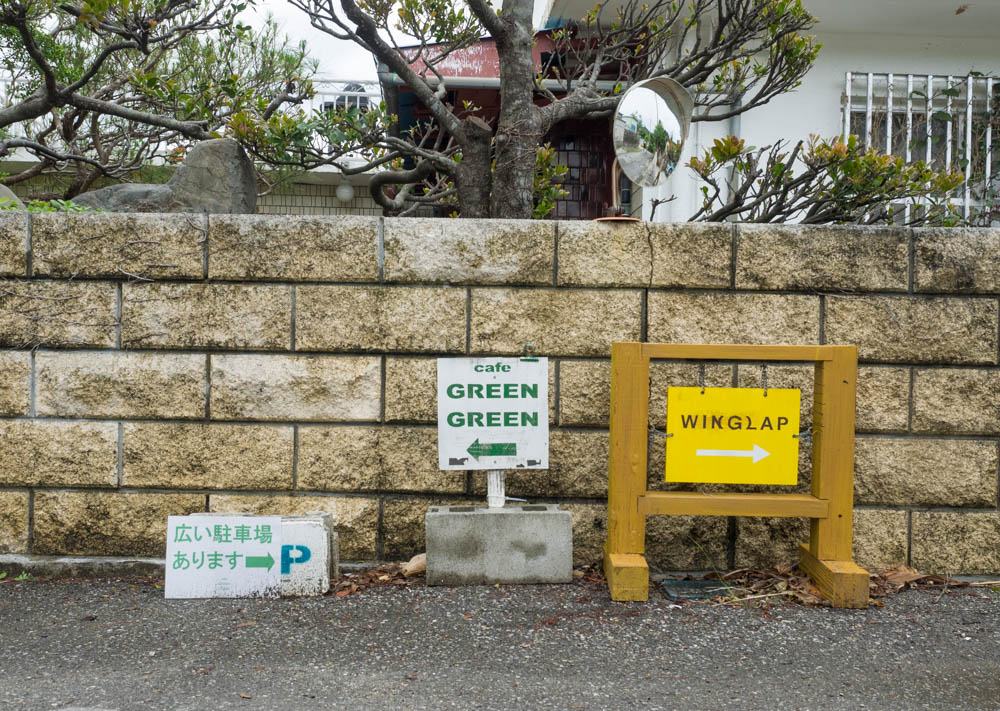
{"x": 337, "y": 59}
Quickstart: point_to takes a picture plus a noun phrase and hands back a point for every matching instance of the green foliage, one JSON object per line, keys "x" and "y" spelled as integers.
{"x": 191, "y": 62}
{"x": 821, "y": 180}
{"x": 25, "y": 576}
{"x": 47, "y": 206}
{"x": 548, "y": 176}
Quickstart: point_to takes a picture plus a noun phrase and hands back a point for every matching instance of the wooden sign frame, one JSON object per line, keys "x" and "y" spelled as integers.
{"x": 827, "y": 558}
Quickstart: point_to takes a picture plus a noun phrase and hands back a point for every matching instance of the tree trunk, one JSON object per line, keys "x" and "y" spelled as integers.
{"x": 474, "y": 177}
{"x": 518, "y": 126}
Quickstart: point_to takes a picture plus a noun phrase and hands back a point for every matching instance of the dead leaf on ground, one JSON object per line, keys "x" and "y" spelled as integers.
{"x": 248, "y": 623}
{"x": 787, "y": 583}
{"x": 245, "y": 696}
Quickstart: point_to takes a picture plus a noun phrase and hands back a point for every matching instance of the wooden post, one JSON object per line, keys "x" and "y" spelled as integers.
{"x": 829, "y": 557}
{"x": 624, "y": 564}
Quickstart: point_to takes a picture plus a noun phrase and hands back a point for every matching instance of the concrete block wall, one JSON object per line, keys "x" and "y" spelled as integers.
{"x": 159, "y": 364}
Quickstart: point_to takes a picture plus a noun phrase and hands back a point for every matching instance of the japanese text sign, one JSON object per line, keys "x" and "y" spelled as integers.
{"x": 223, "y": 556}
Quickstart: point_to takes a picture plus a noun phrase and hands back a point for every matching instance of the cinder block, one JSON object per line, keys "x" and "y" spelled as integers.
{"x": 469, "y": 545}
{"x": 310, "y": 555}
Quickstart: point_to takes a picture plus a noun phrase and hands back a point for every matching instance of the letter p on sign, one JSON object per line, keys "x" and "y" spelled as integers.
{"x": 287, "y": 559}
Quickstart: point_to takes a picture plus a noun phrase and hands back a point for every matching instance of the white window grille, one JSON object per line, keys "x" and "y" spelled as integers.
{"x": 946, "y": 121}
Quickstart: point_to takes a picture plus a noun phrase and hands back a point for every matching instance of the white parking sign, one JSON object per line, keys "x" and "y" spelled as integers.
{"x": 493, "y": 413}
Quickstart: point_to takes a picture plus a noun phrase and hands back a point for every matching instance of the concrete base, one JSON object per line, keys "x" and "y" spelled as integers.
{"x": 470, "y": 545}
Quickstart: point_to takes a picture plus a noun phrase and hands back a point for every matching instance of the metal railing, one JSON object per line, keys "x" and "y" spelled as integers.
{"x": 946, "y": 121}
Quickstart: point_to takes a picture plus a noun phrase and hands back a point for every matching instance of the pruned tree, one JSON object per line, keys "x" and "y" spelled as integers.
{"x": 820, "y": 181}
{"x": 104, "y": 87}
{"x": 733, "y": 55}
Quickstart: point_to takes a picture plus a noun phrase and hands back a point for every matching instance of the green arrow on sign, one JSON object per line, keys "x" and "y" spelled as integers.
{"x": 260, "y": 561}
{"x": 494, "y": 449}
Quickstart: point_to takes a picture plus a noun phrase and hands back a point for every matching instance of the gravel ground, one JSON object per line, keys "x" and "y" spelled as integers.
{"x": 119, "y": 645}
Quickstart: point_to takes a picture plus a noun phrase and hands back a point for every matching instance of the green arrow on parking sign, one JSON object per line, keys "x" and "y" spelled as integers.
{"x": 260, "y": 561}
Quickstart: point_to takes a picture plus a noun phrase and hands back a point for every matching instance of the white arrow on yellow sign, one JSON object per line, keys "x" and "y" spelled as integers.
{"x": 733, "y": 435}
{"x": 757, "y": 453}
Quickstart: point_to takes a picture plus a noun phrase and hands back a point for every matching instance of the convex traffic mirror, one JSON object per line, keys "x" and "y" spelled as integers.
{"x": 649, "y": 130}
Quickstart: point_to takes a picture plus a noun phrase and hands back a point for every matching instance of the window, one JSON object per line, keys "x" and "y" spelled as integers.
{"x": 949, "y": 122}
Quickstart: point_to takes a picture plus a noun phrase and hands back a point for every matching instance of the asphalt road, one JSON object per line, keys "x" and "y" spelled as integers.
{"x": 115, "y": 645}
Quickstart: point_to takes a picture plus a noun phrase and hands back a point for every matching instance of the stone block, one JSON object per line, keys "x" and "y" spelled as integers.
{"x": 380, "y": 318}
{"x": 310, "y": 555}
{"x": 952, "y": 543}
{"x": 880, "y": 538}
{"x": 403, "y": 526}
{"x": 957, "y": 260}
{"x": 566, "y": 322}
{"x": 809, "y": 257}
{"x": 15, "y": 382}
{"x": 925, "y": 472}
{"x": 409, "y": 462}
{"x": 355, "y": 519}
{"x": 13, "y": 521}
{"x": 665, "y": 374}
{"x": 199, "y": 456}
{"x": 227, "y": 316}
{"x": 907, "y": 329}
{"x": 956, "y": 401}
{"x": 578, "y": 467}
{"x": 13, "y": 243}
{"x": 293, "y": 248}
{"x": 151, "y": 385}
{"x": 794, "y": 377}
{"x": 118, "y": 246}
{"x": 295, "y": 387}
{"x": 883, "y": 399}
{"x": 693, "y": 255}
{"x": 763, "y": 542}
{"x": 373, "y": 458}
{"x": 339, "y": 459}
{"x": 473, "y": 545}
{"x": 460, "y": 252}
{"x": 49, "y": 453}
{"x": 590, "y": 531}
{"x": 107, "y": 523}
{"x": 46, "y": 313}
{"x": 410, "y": 389}
{"x": 733, "y": 318}
{"x": 584, "y": 392}
{"x": 687, "y": 542}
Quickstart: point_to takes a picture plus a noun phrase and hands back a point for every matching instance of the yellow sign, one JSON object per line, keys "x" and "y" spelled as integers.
{"x": 733, "y": 435}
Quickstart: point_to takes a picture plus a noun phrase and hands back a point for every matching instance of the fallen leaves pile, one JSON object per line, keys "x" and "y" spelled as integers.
{"x": 389, "y": 574}
{"x": 784, "y": 583}
{"x": 787, "y": 583}
{"x": 385, "y": 575}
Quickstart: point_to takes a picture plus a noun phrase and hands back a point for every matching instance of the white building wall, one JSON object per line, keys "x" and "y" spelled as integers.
{"x": 816, "y": 106}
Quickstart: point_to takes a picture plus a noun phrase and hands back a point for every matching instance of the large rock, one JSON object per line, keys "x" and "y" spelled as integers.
{"x": 217, "y": 177}
{"x": 8, "y": 198}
